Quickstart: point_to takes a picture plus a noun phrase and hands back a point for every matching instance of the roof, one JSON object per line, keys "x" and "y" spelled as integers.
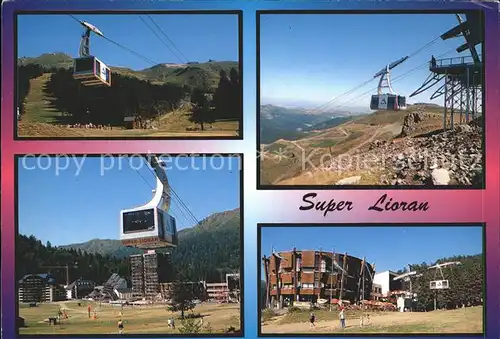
{"x": 82, "y": 282}
{"x": 114, "y": 281}
{"x": 44, "y": 276}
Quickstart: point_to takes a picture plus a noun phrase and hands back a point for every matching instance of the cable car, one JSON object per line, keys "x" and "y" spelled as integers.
{"x": 89, "y": 70}
{"x": 389, "y": 101}
{"x": 150, "y": 226}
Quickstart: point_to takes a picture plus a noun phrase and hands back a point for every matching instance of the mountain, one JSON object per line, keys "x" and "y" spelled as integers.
{"x": 277, "y": 122}
{"x": 218, "y": 222}
{"x": 179, "y": 74}
{"x": 204, "y": 252}
{"x": 382, "y": 148}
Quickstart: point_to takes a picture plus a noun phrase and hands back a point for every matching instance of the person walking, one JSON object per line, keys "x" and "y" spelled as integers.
{"x": 120, "y": 326}
{"x": 342, "y": 317}
{"x": 312, "y": 319}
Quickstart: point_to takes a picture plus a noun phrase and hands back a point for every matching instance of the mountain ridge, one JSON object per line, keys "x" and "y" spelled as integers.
{"x": 219, "y": 221}
{"x": 180, "y": 74}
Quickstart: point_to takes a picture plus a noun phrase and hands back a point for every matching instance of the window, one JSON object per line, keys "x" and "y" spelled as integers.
{"x": 307, "y": 285}
{"x": 323, "y": 265}
{"x": 137, "y": 221}
{"x": 308, "y": 270}
{"x": 298, "y": 263}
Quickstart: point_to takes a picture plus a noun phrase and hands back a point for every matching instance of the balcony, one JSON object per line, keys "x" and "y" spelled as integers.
{"x": 457, "y": 65}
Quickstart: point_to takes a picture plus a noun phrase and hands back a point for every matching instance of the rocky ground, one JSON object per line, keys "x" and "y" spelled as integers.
{"x": 444, "y": 158}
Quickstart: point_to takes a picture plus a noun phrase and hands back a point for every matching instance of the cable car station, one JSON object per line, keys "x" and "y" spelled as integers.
{"x": 463, "y": 76}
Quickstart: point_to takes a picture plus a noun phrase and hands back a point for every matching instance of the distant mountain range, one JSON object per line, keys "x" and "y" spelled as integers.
{"x": 205, "y": 252}
{"x": 180, "y": 74}
{"x": 277, "y": 122}
{"x": 217, "y": 222}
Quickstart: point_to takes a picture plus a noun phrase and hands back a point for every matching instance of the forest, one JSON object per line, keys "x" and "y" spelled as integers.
{"x": 466, "y": 283}
{"x": 205, "y": 252}
{"x": 131, "y": 96}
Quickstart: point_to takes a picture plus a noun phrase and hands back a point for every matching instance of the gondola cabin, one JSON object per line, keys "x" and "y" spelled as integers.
{"x": 388, "y": 102}
{"x": 148, "y": 228}
{"x": 91, "y": 71}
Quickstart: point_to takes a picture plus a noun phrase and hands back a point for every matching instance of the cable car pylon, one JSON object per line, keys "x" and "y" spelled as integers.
{"x": 89, "y": 70}
{"x": 388, "y": 101}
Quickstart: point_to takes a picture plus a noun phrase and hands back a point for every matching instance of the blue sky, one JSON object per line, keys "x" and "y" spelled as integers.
{"x": 198, "y": 37}
{"x": 316, "y": 57}
{"x": 72, "y": 207}
{"x": 390, "y": 248}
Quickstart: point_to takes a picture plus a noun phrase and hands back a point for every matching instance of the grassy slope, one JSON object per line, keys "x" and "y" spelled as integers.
{"x": 467, "y": 320}
{"x": 349, "y": 137}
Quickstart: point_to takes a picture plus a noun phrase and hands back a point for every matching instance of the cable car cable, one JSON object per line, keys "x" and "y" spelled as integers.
{"x": 131, "y": 51}
{"x": 122, "y": 46}
{"x": 185, "y": 206}
{"x": 175, "y": 198}
{"x": 402, "y": 76}
{"x": 341, "y": 95}
{"x": 418, "y": 50}
{"x": 159, "y": 38}
{"x": 166, "y": 36}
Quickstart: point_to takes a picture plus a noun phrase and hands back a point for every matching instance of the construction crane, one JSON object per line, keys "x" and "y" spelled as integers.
{"x": 89, "y": 70}
{"x": 150, "y": 226}
{"x": 65, "y": 267}
{"x": 388, "y": 100}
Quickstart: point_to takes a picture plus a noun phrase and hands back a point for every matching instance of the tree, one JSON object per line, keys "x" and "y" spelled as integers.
{"x": 221, "y": 95}
{"x": 182, "y": 297}
{"x": 465, "y": 280}
{"x": 201, "y": 107}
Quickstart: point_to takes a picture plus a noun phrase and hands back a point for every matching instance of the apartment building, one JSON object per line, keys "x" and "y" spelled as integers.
{"x": 310, "y": 275}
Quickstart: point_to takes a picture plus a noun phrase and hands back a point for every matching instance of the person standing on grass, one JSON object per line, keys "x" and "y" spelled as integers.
{"x": 120, "y": 326}
{"x": 89, "y": 308}
{"x": 342, "y": 317}
{"x": 312, "y": 318}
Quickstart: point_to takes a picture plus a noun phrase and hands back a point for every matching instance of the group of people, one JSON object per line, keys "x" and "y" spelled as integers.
{"x": 91, "y": 126}
{"x": 170, "y": 323}
{"x": 312, "y": 318}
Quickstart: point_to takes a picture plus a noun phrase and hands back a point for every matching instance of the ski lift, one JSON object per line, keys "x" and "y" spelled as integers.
{"x": 150, "y": 226}
{"x": 89, "y": 70}
{"x": 389, "y": 101}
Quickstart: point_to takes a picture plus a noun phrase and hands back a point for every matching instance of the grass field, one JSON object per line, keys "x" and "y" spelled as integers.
{"x": 462, "y": 321}
{"x": 136, "y": 319}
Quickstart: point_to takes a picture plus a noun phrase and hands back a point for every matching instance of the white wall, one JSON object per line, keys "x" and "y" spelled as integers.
{"x": 401, "y": 304}
{"x": 382, "y": 279}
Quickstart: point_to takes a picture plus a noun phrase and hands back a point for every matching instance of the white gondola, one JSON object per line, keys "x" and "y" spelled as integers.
{"x": 150, "y": 226}
{"x": 89, "y": 70}
{"x": 389, "y": 101}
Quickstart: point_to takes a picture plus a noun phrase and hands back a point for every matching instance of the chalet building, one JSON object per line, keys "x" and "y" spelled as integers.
{"x": 79, "y": 289}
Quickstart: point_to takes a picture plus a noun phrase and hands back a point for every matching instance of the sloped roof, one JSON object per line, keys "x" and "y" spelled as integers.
{"x": 44, "y": 276}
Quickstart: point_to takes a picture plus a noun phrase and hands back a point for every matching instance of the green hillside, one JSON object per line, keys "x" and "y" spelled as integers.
{"x": 204, "y": 252}
{"x": 189, "y": 74}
